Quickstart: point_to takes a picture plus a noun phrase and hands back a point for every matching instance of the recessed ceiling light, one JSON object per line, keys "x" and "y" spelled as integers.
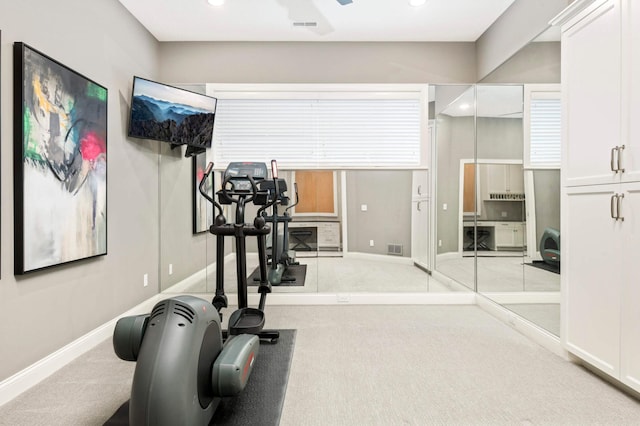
{"x": 216, "y": 2}
{"x": 416, "y": 3}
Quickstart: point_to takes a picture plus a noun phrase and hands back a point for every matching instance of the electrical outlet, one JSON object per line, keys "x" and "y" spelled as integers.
{"x": 439, "y": 243}
{"x": 145, "y": 280}
{"x": 363, "y": 207}
{"x": 370, "y": 243}
{"x": 170, "y": 268}
{"x": 444, "y": 206}
{"x": 343, "y": 298}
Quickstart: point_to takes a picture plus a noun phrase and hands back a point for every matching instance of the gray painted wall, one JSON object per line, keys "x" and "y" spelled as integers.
{"x": 301, "y": 62}
{"x": 43, "y": 311}
{"x": 179, "y": 247}
{"x": 523, "y": 21}
{"x": 537, "y": 62}
{"x": 455, "y": 139}
{"x": 387, "y": 220}
{"x": 186, "y": 252}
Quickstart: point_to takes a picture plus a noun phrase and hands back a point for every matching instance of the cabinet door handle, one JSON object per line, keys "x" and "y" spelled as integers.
{"x": 620, "y": 197}
{"x": 419, "y": 189}
{"x": 418, "y": 206}
{"x": 613, "y": 206}
{"x": 620, "y": 167}
{"x": 613, "y": 159}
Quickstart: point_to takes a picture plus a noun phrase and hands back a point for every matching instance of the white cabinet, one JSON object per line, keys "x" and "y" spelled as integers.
{"x": 601, "y": 185}
{"x": 591, "y": 64}
{"x": 510, "y": 235}
{"x": 631, "y": 95}
{"x": 630, "y": 247}
{"x": 504, "y": 178}
{"x": 591, "y": 265}
{"x": 328, "y": 235}
{"x": 420, "y": 218}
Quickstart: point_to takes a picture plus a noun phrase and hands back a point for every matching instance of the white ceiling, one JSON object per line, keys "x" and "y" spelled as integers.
{"x": 273, "y": 20}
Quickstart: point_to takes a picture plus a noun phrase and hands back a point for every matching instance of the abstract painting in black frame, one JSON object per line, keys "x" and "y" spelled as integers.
{"x": 60, "y": 163}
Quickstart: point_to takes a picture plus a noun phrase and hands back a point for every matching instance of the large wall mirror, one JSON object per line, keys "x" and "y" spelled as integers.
{"x": 479, "y": 218}
{"x": 498, "y": 184}
{"x": 497, "y": 210}
{"x": 350, "y": 231}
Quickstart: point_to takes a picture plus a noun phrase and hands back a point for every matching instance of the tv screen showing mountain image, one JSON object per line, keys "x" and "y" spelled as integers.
{"x": 170, "y": 114}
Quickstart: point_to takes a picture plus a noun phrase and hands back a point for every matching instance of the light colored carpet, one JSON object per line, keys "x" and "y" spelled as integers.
{"x": 375, "y": 365}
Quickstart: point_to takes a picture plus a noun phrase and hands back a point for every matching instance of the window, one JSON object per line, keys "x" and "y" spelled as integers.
{"x": 320, "y": 129}
{"x": 543, "y": 127}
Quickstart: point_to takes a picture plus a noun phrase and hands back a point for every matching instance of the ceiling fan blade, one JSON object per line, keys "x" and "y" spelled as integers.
{"x": 345, "y": 2}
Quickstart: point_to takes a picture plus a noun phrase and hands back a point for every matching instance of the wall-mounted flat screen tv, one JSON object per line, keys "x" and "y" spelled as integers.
{"x": 170, "y": 114}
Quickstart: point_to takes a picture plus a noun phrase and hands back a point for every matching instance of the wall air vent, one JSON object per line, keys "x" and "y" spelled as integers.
{"x": 305, "y": 24}
{"x": 394, "y": 249}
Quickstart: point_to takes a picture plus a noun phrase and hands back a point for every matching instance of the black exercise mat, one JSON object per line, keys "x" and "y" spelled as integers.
{"x": 260, "y": 403}
{"x": 297, "y": 272}
{"x": 544, "y": 265}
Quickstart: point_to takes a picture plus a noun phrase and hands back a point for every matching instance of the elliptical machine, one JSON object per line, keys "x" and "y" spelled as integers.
{"x": 280, "y": 259}
{"x": 184, "y": 365}
{"x": 239, "y": 187}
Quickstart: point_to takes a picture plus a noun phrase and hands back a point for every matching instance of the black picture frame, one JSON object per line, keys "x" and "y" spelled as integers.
{"x": 60, "y": 163}
{"x": 202, "y": 218}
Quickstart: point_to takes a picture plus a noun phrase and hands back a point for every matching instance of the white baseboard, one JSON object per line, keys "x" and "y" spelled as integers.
{"x": 379, "y": 257}
{"x": 35, "y": 373}
{"x": 283, "y": 299}
{"x": 530, "y": 330}
{"x": 523, "y": 297}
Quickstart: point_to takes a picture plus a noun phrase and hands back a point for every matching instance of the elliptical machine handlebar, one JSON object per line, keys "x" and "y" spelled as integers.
{"x": 207, "y": 172}
{"x": 295, "y": 189}
{"x": 274, "y": 176}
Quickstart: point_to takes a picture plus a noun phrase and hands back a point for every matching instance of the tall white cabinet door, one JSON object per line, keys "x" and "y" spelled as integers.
{"x": 591, "y": 83}
{"x": 591, "y": 276}
{"x": 630, "y": 156}
{"x": 630, "y": 341}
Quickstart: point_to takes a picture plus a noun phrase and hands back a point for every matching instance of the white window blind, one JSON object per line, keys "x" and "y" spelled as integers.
{"x": 545, "y": 132}
{"x": 319, "y": 133}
